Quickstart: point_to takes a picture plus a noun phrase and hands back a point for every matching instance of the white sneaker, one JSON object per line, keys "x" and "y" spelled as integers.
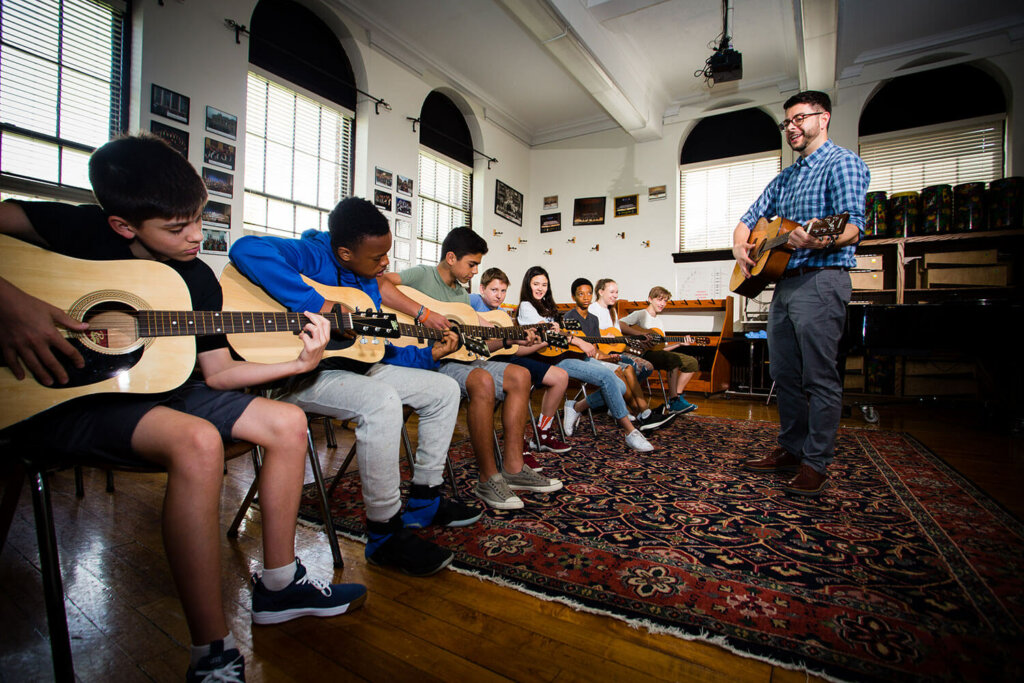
{"x": 570, "y": 417}
{"x": 635, "y": 440}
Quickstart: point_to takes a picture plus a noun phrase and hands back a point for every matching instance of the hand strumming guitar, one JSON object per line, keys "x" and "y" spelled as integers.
{"x": 29, "y": 331}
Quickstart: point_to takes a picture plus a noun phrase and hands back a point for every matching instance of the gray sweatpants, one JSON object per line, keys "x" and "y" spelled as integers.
{"x": 374, "y": 402}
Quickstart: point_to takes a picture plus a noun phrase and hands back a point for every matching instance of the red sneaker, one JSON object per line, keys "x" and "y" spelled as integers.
{"x": 550, "y": 443}
{"x": 531, "y": 462}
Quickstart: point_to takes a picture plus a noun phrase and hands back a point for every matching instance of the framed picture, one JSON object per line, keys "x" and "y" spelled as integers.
{"x": 219, "y": 183}
{"x": 217, "y": 153}
{"x": 217, "y": 213}
{"x": 403, "y": 228}
{"x": 169, "y": 104}
{"x": 382, "y": 200}
{"x": 626, "y": 205}
{"x": 655, "y": 193}
{"x": 588, "y": 211}
{"x": 404, "y": 185}
{"x": 508, "y": 203}
{"x": 551, "y": 222}
{"x": 403, "y": 207}
{"x": 175, "y": 137}
{"x": 551, "y": 202}
{"x": 215, "y": 241}
{"x": 221, "y": 123}
{"x": 382, "y": 177}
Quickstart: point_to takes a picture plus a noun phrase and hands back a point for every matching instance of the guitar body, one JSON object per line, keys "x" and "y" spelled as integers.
{"x": 768, "y": 264}
{"x": 501, "y": 319}
{"x": 115, "y": 362}
{"x": 458, "y": 314}
{"x": 241, "y": 294}
{"x": 611, "y": 347}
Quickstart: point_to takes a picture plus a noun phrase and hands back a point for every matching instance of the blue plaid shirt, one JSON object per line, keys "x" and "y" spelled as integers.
{"x": 830, "y": 181}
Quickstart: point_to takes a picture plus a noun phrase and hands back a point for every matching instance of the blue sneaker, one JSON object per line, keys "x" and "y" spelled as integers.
{"x": 681, "y": 406}
{"x": 427, "y": 506}
{"x": 304, "y": 597}
{"x": 391, "y": 544}
{"x": 219, "y": 665}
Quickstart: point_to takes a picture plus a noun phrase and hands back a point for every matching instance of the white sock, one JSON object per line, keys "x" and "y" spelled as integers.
{"x": 646, "y": 414}
{"x": 280, "y": 578}
{"x": 200, "y": 651}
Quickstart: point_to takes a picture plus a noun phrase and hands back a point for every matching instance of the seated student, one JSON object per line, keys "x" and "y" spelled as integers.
{"x": 352, "y": 254}
{"x": 647, "y": 420}
{"x": 493, "y": 288}
{"x": 537, "y": 305}
{"x": 603, "y": 306}
{"x": 680, "y": 366}
{"x": 150, "y": 202}
{"x": 483, "y": 382}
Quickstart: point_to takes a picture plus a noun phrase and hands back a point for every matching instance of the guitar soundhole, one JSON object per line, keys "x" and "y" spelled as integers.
{"x": 112, "y": 327}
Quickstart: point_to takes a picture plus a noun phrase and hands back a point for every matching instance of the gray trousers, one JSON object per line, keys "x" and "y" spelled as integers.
{"x": 374, "y": 402}
{"x": 805, "y": 323}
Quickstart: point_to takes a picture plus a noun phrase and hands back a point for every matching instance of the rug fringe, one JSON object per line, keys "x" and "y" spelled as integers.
{"x": 703, "y": 636}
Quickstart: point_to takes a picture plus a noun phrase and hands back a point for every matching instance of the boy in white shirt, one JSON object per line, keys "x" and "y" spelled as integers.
{"x": 680, "y": 366}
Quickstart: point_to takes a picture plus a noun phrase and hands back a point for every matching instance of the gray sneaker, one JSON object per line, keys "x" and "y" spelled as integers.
{"x": 637, "y": 442}
{"x": 529, "y": 480}
{"x": 496, "y": 493}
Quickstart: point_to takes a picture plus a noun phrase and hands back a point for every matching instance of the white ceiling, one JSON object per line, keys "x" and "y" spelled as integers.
{"x": 646, "y": 51}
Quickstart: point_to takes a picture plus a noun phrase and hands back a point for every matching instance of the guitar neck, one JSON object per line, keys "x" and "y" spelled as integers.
{"x": 199, "y": 323}
{"x": 419, "y": 332}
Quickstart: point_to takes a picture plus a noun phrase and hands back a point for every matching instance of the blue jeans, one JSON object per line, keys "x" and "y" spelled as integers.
{"x": 593, "y": 371}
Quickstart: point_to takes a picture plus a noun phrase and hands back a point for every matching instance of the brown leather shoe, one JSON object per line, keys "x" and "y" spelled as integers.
{"x": 808, "y": 482}
{"x": 780, "y": 460}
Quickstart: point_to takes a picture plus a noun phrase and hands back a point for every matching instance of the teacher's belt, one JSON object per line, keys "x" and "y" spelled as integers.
{"x": 804, "y": 270}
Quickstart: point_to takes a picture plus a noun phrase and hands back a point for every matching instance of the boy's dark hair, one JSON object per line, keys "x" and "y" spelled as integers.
{"x": 494, "y": 274}
{"x": 462, "y": 241}
{"x": 139, "y": 177}
{"x": 353, "y": 220}
{"x": 546, "y": 304}
{"x": 579, "y": 282}
{"x": 815, "y": 98}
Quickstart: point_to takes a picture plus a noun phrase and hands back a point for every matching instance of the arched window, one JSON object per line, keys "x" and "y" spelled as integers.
{"x": 299, "y": 121}
{"x": 944, "y": 126}
{"x": 726, "y": 162}
{"x": 446, "y": 179}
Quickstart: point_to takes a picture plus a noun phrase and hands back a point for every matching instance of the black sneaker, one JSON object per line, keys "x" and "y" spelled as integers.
{"x": 455, "y": 514}
{"x": 411, "y": 554}
{"x": 427, "y": 506}
{"x": 219, "y": 665}
{"x": 304, "y": 597}
{"x": 655, "y": 420}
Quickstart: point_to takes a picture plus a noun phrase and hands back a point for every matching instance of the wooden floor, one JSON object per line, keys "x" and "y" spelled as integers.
{"x": 126, "y": 624}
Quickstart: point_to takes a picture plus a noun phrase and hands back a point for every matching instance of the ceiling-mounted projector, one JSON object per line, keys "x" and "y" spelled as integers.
{"x": 726, "y": 65}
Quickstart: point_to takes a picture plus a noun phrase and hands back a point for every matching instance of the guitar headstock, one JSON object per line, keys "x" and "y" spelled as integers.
{"x": 636, "y": 345}
{"x": 476, "y": 345}
{"x": 571, "y": 325}
{"x": 376, "y": 324}
{"x": 557, "y": 340}
{"x": 830, "y": 225}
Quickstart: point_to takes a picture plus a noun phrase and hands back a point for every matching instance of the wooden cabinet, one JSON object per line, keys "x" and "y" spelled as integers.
{"x": 904, "y": 279}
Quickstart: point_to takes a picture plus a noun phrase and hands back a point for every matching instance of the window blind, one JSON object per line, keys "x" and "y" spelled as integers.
{"x": 914, "y": 159}
{"x": 61, "y": 87}
{"x": 298, "y": 156}
{"x": 445, "y": 201}
{"x": 714, "y": 195}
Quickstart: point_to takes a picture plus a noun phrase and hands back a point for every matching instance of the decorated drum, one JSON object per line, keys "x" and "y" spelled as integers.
{"x": 874, "y": 215}
{"x": 969, "y": 207}
{"x": 1005, "y": 203}
{"x": 936, "y": 209}
{"x": 903, "y": 214}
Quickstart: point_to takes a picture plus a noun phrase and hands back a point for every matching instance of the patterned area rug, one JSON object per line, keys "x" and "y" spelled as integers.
{"x": 901, "y": 570}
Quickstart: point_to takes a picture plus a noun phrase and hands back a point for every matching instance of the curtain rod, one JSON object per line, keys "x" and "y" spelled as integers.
{"x": 490, "y": 159}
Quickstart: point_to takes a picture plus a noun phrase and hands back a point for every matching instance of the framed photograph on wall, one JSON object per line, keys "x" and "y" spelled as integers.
{"x": 508, "y": 203}
{"x": 382, "y": 200}
{"x": 404, "y": 185}
{"x": 403, "y": 207}
{"x": 551, "y": 202}
{"x": 175, "y": 137}
{"x": 215, "y": 241}
{"x": 218, "y": 183}
{"x": 588, "y": 211}
{"x": 169, "y": 104}
{"x": 656, "y": 193}
{"x": 382, "y": 177}
{"x": 403, "y": 228}
{"x": 626, "y": 205}
{"x": 217, "y": 153}
{"x": 221, "y": 123}
{"x": 551, "y": 222}
{"x": 217, "y": 213}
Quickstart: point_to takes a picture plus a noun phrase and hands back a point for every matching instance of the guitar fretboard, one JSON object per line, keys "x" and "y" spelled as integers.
{"x": 185, "y": 323}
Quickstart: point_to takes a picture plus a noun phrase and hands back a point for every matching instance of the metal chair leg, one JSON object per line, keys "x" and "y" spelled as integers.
{"x": 325, "y": 508}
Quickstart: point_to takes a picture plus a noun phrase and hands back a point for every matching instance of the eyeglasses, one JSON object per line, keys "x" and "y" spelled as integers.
{"x": 798, "y": 119}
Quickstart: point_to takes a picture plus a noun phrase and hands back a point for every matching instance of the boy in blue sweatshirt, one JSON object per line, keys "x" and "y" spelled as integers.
{"x": 353, "y": 254}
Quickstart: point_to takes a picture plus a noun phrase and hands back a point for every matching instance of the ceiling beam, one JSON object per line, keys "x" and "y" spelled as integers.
{"x": 817, "y": 40}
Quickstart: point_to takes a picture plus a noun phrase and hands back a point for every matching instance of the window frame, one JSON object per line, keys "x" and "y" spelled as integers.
{"x": 417, "y": 239}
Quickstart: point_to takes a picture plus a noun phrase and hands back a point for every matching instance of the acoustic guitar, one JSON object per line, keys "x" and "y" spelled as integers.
{"x": 460, "y": 316}
{"x": 771, "y": 253}
{"x": 141, "y": 327}
{"x": 656, "y": 337}
{"x": 611, "y": 341}
{"x": 505, "y": 328}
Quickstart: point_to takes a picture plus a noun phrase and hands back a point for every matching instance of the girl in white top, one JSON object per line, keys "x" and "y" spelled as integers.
{"x": 635, "y": 368}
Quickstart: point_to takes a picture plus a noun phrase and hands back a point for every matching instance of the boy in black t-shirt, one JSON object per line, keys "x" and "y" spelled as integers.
{"x": 150, "y": 201}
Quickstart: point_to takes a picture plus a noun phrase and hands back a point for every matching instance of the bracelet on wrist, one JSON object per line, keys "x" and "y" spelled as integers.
{"x": 419, "y": 313}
